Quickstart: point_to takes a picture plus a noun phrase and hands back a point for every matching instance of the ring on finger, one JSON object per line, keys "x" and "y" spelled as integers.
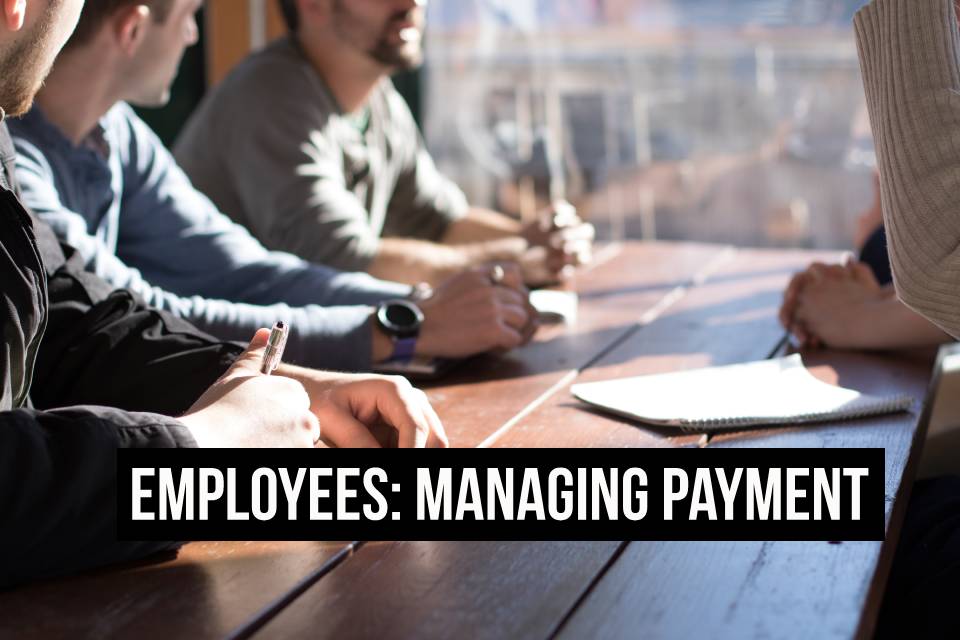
{"x": 497, "y": 274}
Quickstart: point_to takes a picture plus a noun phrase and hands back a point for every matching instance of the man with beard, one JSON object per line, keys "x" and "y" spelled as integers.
{"x": 309, "y": 146}
{"x": 86, "y": 369}
{"x": 103, "y": 181}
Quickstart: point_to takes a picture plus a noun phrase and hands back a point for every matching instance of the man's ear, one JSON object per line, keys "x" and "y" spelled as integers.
{"x": 129, "y": 26}
{"x": 14, "y": 12}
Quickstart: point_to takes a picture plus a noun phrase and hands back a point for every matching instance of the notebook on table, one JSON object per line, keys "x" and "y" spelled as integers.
{"x": 769, "y": 392}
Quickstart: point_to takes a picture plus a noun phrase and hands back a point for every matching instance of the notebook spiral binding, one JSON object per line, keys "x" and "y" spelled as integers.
{"x": 853, "y": 412}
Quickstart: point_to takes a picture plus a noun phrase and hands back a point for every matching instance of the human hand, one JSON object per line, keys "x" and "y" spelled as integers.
{"x": 834, "y": 306}
{"x": 245, "y": 408}
{"x": 470, "y": 314}
{"x": 361, "y": 410}
{"x": 558, "y": 241}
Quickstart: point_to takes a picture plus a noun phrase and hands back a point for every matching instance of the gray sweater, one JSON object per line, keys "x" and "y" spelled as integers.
{"x": 273, "y": 149}
{"x": 910, "y": 58}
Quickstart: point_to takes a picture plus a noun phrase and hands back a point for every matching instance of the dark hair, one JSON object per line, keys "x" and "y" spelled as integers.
{"x": 290, "y": 14}
{"x": 96, "y": 12}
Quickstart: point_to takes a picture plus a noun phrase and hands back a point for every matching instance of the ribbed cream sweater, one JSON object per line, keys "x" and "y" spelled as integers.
{"x": 910, "y": 59}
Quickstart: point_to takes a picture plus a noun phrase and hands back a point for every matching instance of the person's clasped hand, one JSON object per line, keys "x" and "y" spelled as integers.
{"x": 559, "y": 240}
{"x": 826, "y": 305}
{"x": 485, "y": 308}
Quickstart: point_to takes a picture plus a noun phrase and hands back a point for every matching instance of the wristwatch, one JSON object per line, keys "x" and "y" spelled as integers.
{"x": 401, "y": 321}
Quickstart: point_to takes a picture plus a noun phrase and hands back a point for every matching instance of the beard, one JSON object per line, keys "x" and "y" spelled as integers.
{"x": 24, "y": 64}
{"x": 403, "y": 57}
{"x": 399, "y": 57}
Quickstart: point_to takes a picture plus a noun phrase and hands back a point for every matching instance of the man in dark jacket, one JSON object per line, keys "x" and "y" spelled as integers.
{"x": 85, "y": 369}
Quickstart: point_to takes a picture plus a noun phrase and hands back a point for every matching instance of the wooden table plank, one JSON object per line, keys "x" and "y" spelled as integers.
{"x": 209, "y": 590}
{"x": 524, "y": 589}
{"x": 487, "y": 392}
{"x": 445, "y": 590}
{"x": 206, "y": 592}
{"x": 770, "y": 589}
{"x": 510, "y": 589}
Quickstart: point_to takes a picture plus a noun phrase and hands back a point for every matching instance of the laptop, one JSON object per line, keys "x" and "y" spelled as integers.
{"x": 941, "y": 416}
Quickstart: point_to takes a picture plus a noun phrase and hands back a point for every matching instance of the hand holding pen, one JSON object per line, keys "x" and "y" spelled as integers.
{"x": 273, "y": 352}
{"x": 245, "y": 408}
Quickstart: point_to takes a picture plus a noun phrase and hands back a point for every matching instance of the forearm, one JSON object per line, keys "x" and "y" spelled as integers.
{"x": 415, "y": 261}
{"x": 326, "y": 337}
{"x": 893, "y": 325}
{"x": 481, "y": 225}
{"x": 148, "y": 350}
{"x": 909, "y": 58}
{"x": 58, "y": 465}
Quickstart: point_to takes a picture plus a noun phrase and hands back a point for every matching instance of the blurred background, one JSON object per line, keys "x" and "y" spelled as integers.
{"x": 737, "y": 121}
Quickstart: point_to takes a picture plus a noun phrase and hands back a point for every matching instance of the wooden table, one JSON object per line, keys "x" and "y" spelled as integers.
{"x": 644, "y": 308}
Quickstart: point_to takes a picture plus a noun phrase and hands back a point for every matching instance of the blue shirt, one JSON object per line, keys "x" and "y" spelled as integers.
{"x": 122, "y": 201}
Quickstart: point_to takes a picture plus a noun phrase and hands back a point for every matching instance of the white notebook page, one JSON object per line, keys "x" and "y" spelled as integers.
{"x": 778, "y": 391}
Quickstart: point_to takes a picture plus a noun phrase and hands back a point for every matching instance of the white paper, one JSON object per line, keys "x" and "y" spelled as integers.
{"x": 778, "y": 391}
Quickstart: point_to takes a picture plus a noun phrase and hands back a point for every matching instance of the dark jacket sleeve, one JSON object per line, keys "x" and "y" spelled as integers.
{"x": 58, "y": 467}
{"x": 58, "y": 492}
{"x": 103, "y": 346}
{"x": 100, "y": 346}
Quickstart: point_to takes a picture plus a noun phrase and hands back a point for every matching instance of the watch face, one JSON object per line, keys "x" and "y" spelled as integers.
{"x": 401, "y": 318}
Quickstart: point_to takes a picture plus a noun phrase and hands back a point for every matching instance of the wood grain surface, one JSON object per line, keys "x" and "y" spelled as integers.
{"x": 644, "y": 308}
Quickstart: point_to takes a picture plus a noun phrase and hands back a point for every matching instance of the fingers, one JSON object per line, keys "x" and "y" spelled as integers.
{"x": 343, "y": 430}
{"x": 515, "y": 316}
{"x": 574, "y": 234}
{"x": 514, "y": 308}
{"x": 788, "y": 307}
{"x": 512, "y": 276}
{"x": 504, "y": 296}
{"x": 527, "y": 332}
{"x": 438, "y": 436}
{"x": 863, "y": 274}
{"x": 402, "y": 406}
{"x": 249, "y": 361}
{"x": 313, "y": 429}
{"x": 816, "y": 272}
{"x": 570, "y": 246}
{"x": 355, "y": 412}
{"x": 509, "y": 337}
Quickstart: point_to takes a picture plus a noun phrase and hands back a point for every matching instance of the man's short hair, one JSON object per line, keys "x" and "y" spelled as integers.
{"x": 290, "y": 14}
{"x": 96, "y": 12}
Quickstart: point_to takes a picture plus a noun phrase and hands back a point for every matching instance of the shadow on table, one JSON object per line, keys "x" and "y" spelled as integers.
{"x": 654, "y": 431}
{"x": 714, "y": 280}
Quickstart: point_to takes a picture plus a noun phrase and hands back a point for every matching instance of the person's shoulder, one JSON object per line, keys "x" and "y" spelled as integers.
{"x": 36, "y": 141}
{"x": 123, "y": 126}
{"x": 277, "y": 70}
{"x": 120, "y": 113}
{"x": 31, "y": 126}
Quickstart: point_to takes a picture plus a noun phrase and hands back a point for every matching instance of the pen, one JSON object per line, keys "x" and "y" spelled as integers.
{"x": 274, "y": 351}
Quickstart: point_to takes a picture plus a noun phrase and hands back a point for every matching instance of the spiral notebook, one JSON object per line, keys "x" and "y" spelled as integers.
{"x": 769, "y": 392}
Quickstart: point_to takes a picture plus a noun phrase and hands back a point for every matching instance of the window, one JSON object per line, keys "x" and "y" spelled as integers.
{"x": 736, "y": 121}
